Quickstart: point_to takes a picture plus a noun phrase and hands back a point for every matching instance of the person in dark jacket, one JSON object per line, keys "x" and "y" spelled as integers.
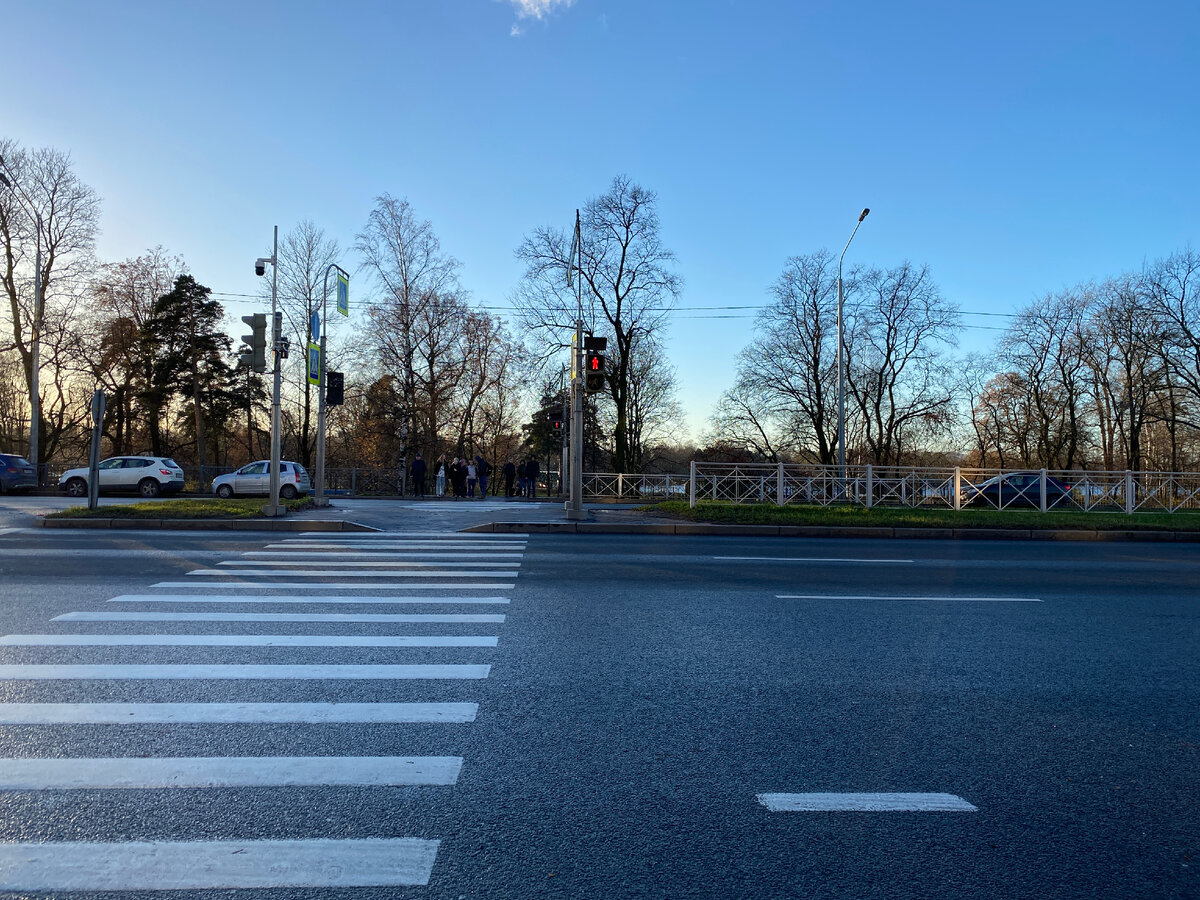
{"x": 418, "y": 476}
{"x": 482, "y": 471}
{"x": 531, "y": 473}
{"x": 510, "y": 472}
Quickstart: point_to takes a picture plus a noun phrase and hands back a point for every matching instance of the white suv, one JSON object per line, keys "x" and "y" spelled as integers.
{"x": 255, "y": 478}
{"x": 147, "y": 475}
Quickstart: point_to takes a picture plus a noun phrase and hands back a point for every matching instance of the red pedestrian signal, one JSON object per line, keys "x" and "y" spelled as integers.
{"x": 593, "y": 372}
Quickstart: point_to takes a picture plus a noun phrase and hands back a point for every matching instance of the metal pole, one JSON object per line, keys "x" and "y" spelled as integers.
{"x": 841, "y": 359}
{"x": 319, "y": 485}
{"x": 35, "y": 344}
{"x": 273, "y": 509}
{"x": 575, "y": 510}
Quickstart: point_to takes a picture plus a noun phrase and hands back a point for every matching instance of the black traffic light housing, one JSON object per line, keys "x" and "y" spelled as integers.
{"x": 593, "y": 371}
{"x": 255, "y": 351}
{"x": 334, "y": 388}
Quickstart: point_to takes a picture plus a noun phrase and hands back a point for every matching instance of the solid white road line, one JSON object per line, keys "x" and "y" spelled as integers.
{"x": 865, "y": 803}
{"x": 8, "y": 530}
{"x": 243, "y": 640}
{"x": 237, "y": 598}
{"x": 213, "y": 865}
{"x": 330, "y": 585}
{"x": 234, "y": 713}
{"x": 308, "y": 672}
{"x": 812, "y": 559}
{"x": 883, "y": 597}
{"x": 320, "y": 573}
{"x": 407, "y": 618}
{"x": 437, "y": 536}
{"x": 297, "y": 562}
{"x": 244, "y": 771}
{"x": 373, "y": 554}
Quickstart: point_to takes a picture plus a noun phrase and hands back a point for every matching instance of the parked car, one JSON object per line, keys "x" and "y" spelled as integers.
{"x": 147, "y": 475}
{"x": 255, "y": 478}
{"x": 16, "y": 474}
{"x": 1016, "y": 489}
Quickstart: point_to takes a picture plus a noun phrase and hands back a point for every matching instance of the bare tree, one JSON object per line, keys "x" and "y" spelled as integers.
{"x": 1045, "y": 346}
{"x": 899, "y": 377}
{"x": 628, "y": 288}
{"x": 406, "y": 261}
{"x": 68, "y": 209}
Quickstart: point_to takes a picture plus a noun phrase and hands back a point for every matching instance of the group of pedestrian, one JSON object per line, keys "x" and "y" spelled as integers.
{"x": 459, "y": 477}
{"x": 525, "y": 475}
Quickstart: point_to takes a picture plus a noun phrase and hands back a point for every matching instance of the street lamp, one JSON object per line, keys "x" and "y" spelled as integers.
{"x": 35, "y": 400}
{"x": 260, "y": 268}
{"x": 841, "y": 360}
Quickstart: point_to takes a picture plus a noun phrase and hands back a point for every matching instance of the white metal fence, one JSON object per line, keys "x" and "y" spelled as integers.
{"x": 945, "y": 488}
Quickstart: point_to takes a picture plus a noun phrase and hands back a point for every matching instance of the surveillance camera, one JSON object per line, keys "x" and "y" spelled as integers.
{"x": 260, "y": 267}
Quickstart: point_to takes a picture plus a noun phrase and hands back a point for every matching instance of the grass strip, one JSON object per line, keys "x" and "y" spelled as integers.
{"x": 721, "y": 513}
{"x": 199, "y": 508}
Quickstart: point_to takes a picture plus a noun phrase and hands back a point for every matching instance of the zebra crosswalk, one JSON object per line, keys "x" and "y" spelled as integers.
{"x": 228, "y": 609}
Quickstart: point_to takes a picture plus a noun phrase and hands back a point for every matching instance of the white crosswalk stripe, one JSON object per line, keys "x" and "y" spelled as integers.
{"x": 348, "y": 601}
{"x": 424, "y": 569}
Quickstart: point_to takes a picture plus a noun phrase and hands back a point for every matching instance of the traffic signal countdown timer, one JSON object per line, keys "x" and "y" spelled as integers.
{"x": 254, "y": 353}
{"x": 593, "y": 363}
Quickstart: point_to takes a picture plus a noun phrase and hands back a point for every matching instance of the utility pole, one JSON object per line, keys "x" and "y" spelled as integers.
{"x": 260, "y": 268}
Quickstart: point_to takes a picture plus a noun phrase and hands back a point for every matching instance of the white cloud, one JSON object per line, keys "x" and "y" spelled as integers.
{"x": 538, "y": 9}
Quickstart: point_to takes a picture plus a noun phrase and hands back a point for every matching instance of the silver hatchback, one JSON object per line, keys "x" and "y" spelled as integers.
{"x": 255, "y": 478}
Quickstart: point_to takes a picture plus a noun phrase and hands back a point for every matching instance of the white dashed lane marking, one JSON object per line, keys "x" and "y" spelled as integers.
{"x": 865, "y": 803}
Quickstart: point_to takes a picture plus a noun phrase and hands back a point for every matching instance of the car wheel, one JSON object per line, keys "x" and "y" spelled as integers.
{"x": 224, "y": 492}
{"x": 77, "y": 487}
{"x": 288, "y": 492}
{"x": 149, "y": 487}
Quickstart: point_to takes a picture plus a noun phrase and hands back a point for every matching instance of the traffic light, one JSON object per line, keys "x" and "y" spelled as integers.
{"x": 593, "y": 371}
{"x": 334, "y": 388}
{"x": 255, "y": 351}
{"x": 285, "y": 346}
{"x": 556, "y": 422}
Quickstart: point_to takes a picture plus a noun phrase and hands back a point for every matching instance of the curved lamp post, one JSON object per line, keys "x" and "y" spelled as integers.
{"x": 841, "y": 360}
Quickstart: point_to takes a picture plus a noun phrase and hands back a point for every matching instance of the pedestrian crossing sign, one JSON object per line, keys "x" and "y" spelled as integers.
{"x": 343, "y": 294}
{"x": 314, "y": 363}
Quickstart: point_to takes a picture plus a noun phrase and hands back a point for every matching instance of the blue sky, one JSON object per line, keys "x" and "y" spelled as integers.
{"x": 1016, "y": 148}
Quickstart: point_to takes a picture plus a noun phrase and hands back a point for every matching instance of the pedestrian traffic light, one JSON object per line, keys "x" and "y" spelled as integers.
{"x": 334, "y": 389}
{"x": 255, "y": 351}
{"x": 285, "y": 346}
{"x": 556, "y": 423}
{"x": 593, "y": 371}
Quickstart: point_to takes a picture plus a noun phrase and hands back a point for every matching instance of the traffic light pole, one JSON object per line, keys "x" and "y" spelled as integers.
{"x": 276, "y": 423}
{"x": 575, "y": 503}
{"x": 319, "y": 484}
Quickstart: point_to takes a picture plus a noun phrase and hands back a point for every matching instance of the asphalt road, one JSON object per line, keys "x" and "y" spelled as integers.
{"x": 644, "y": 692}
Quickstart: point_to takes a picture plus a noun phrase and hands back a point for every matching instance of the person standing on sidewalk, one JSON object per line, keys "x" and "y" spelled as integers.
{"x": 441, "y": 476}
{"x": 483, "y": 470}
{"x": 472, "y": 475}
{"x": 418, "y": 476}
{"x": 531, "y": 474}
{"x": 510, "y": 472}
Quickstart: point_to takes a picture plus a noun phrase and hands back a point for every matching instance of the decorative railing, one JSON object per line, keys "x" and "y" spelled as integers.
{"x": 945, "y": 488}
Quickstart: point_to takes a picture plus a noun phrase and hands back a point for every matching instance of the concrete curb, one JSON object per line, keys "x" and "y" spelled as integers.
{"x": 822, "y": 531}
{"x": 209, "y": 524}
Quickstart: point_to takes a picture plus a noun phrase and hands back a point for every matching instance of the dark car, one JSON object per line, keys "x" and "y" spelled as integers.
{"x": 16, "y": 474}
{"x": 1015, "y": 489}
